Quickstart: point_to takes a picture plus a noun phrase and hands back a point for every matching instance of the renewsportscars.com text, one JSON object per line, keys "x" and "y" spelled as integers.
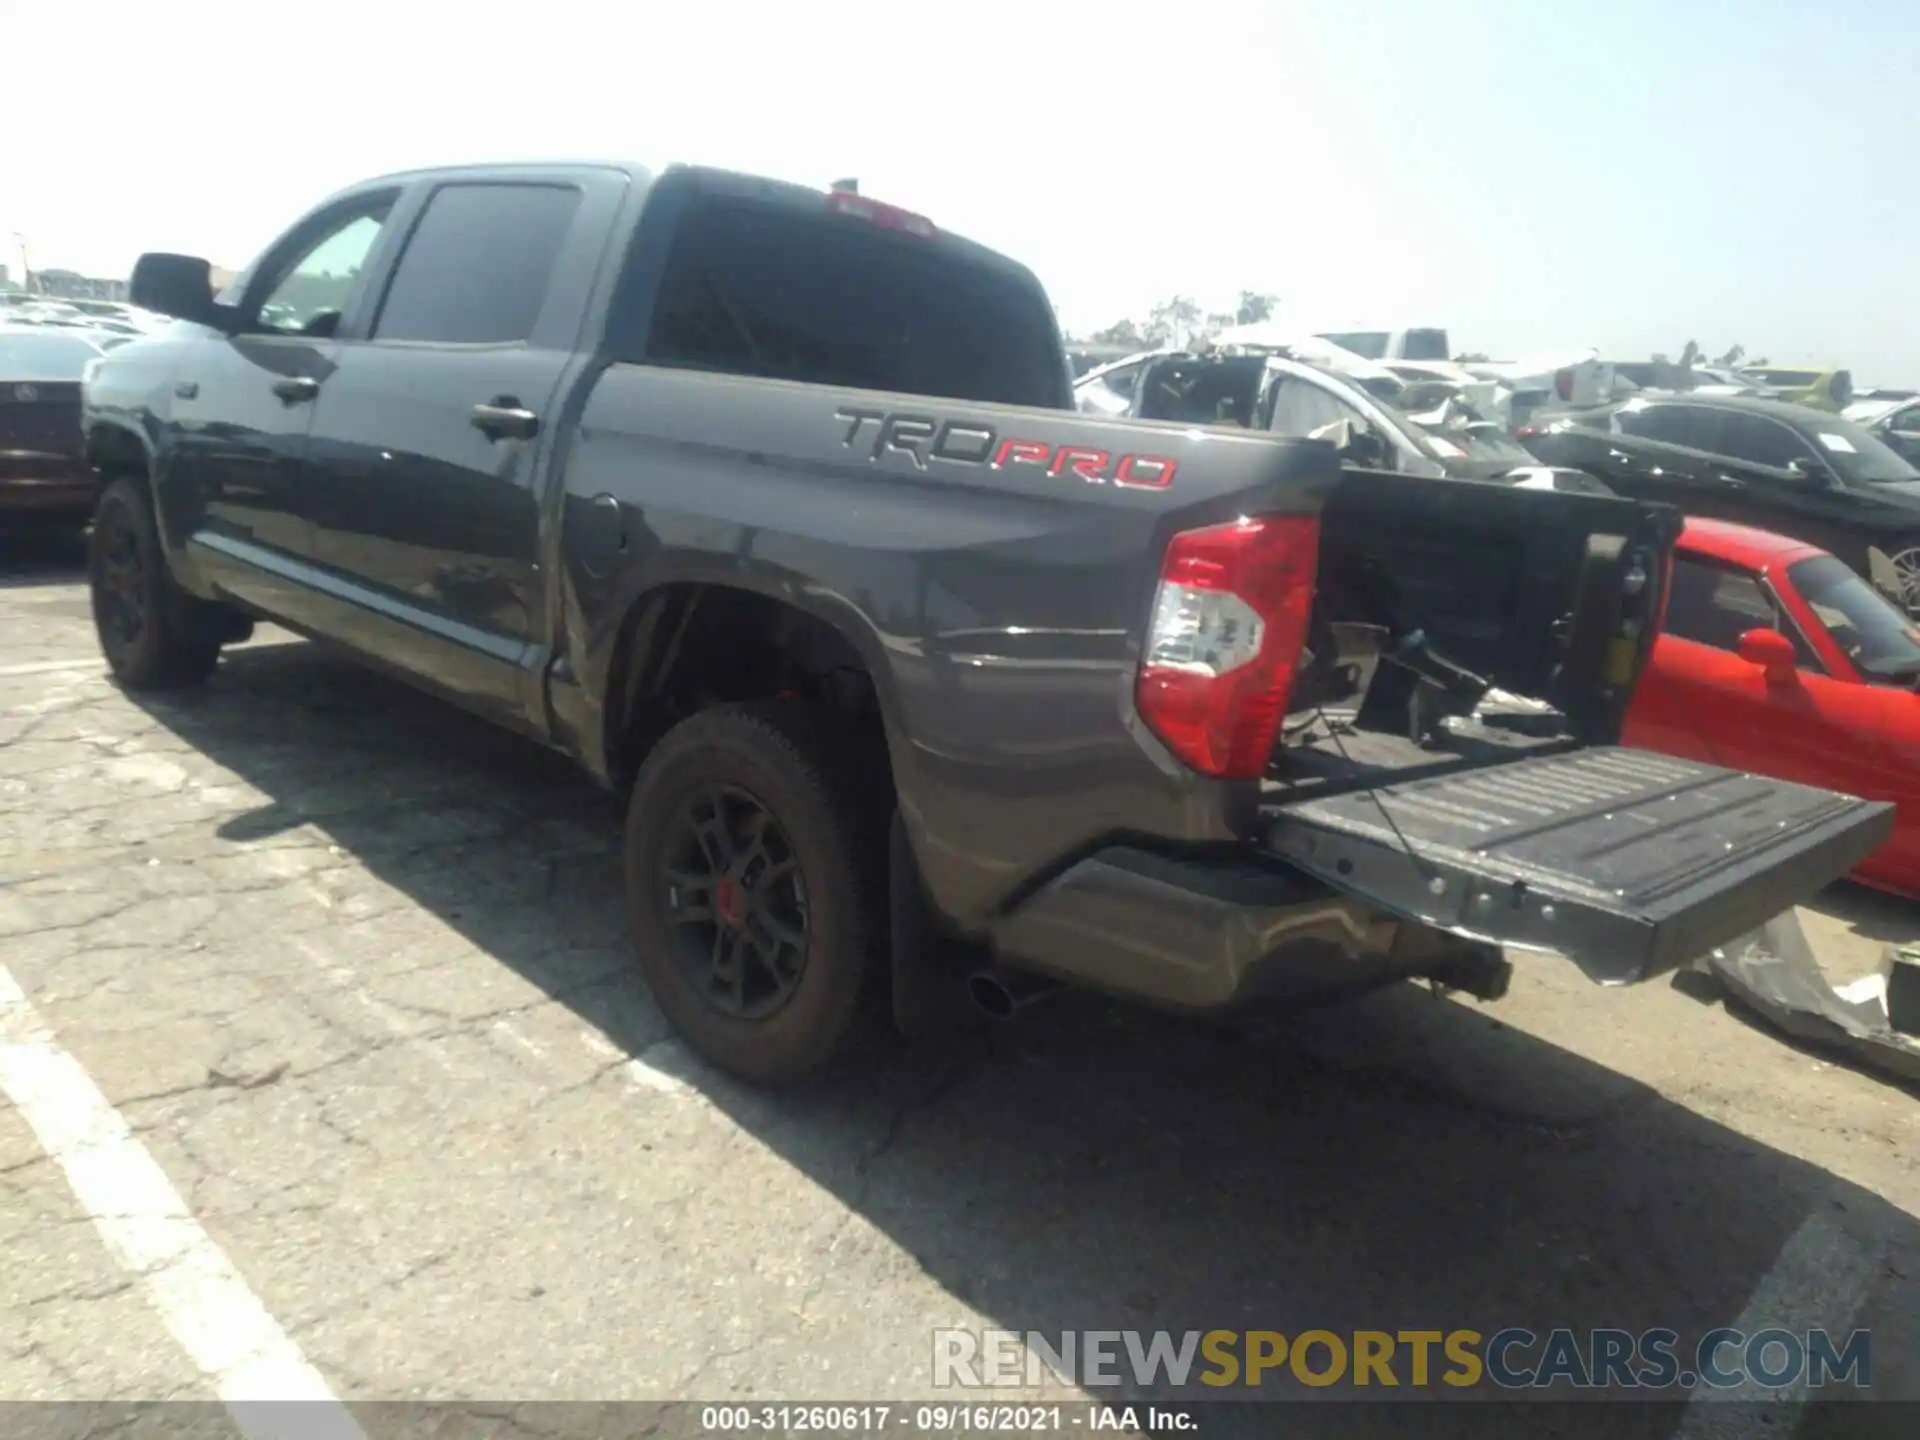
{"x": 1512, "y": 1358}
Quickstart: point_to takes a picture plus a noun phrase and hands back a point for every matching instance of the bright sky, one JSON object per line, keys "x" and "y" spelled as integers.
{"x": 1531, "y": 174}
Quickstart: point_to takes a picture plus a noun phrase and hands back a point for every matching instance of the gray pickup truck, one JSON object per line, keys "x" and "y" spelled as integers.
{"x": 771, "y": 508}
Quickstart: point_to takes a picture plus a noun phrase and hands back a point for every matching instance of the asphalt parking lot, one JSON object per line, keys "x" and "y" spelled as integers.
{"x": 350, "y": 967}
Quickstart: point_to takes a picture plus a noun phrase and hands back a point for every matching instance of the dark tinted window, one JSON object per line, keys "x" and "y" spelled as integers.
{"x": 476, "y": 268}
{"x": 1716, "y": 604}
{"x": 1760, "y": 440}
{"x": 756, "y": 288}
{"x": 1426, "y": 345}
{"x": 1688, "y": 425}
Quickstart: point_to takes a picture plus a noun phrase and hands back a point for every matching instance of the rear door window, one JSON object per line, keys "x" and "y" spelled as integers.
{"x": 766, "y": 288}
{"x": 1693, "y": 426}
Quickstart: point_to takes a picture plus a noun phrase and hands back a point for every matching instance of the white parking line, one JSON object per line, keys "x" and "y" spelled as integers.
{"x": 187, "y": 1277}
{"x": 640, "y": 1071}
{"x": 49, "y": 667}
{"x": 1818, "y": 1282}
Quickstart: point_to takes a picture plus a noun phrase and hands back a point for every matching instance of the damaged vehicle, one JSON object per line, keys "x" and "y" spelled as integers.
{"x": 1415, "y": 427}
{"x": 772, "y": 510}
{"x": 1555, "y": 380}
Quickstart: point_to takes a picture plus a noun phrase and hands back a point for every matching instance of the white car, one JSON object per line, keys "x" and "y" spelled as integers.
{"x": 1571, "y": 379}
{"x": 1428, "y": 342}
{"x": 1108, "y": 389}
{"x": 1492, "y": 398}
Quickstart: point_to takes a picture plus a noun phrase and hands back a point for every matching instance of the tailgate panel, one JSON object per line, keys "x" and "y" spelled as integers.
{"x": 1627, "y": 862}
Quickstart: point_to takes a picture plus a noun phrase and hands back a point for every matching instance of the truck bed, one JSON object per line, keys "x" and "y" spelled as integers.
{"x": 1329, "y": 755}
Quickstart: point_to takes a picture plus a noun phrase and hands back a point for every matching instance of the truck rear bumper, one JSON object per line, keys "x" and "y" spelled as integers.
{"x": 1627, "y": 863}
{"x": 1216, "y": 933}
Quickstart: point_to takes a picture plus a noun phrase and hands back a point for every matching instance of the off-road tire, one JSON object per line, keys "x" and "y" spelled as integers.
{"x": 175, "y": 640}
{"x": 794, "y": 762}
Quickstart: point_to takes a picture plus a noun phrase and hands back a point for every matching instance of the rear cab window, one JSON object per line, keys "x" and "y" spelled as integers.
{"x": 787, "y": 289}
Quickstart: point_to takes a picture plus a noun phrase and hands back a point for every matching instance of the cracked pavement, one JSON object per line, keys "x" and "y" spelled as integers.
{"x": 352, "y": 967}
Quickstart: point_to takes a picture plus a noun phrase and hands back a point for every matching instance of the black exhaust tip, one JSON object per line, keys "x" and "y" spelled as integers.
{"x": 992, "y": 996}
{"x": 1002, "y": 994}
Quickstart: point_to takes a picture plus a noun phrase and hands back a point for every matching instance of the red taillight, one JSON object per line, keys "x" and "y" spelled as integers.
{"x": 887, "y": 217}
{"x": 1563, "y": 384}
{"x": 1229, "y": 624}
{"x": 1527, "y": 432}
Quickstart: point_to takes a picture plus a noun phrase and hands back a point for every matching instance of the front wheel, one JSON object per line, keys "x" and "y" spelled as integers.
{"x": 155, "y": 636}
{"x": 755, "y": 888}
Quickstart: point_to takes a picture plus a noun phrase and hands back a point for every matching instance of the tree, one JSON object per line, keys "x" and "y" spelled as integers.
{"x": 1180, "y": 320}
{"x": 1173, "y": 322}
{"x": 1254, "y": 308}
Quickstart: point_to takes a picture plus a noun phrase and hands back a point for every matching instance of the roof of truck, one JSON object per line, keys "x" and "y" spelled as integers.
{"x": 633, "y": 168}
{"x": 644, "y": 174}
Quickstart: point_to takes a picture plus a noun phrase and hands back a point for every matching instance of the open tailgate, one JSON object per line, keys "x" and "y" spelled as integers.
{"x": 1628, "y": 863}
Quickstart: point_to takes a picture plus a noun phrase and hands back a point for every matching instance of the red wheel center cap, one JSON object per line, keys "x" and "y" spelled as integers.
{"x": 729, "y": 901}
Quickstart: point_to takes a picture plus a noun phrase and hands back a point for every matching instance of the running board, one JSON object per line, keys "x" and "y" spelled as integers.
{"x": 1628, "y": 863}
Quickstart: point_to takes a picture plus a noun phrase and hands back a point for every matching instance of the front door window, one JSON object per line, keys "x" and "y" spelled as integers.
{"x": 312, "y": 293}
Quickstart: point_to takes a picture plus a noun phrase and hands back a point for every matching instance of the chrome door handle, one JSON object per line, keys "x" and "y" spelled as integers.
{"x": 504, "y": 418}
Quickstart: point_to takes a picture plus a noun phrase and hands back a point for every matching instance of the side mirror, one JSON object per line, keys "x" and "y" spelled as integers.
{"x": 1358, "y": 444}
{"x": 177, "y": 285}
{"x": 1339, "y": 435}
{"x": 1771, "y": 651}
{"x": 1367, "y": 449}
{"x": 1812, "y": 471}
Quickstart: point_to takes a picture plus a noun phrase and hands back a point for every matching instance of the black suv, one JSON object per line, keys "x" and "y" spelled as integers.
{"x": 1766, "y": 463}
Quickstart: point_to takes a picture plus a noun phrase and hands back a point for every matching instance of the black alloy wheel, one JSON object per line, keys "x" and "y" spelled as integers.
{"x": 120, "y": 586}
{"x": 736, "y": 903}
{"x": 155, "y": 636}
{"x": 756, "y": 879}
